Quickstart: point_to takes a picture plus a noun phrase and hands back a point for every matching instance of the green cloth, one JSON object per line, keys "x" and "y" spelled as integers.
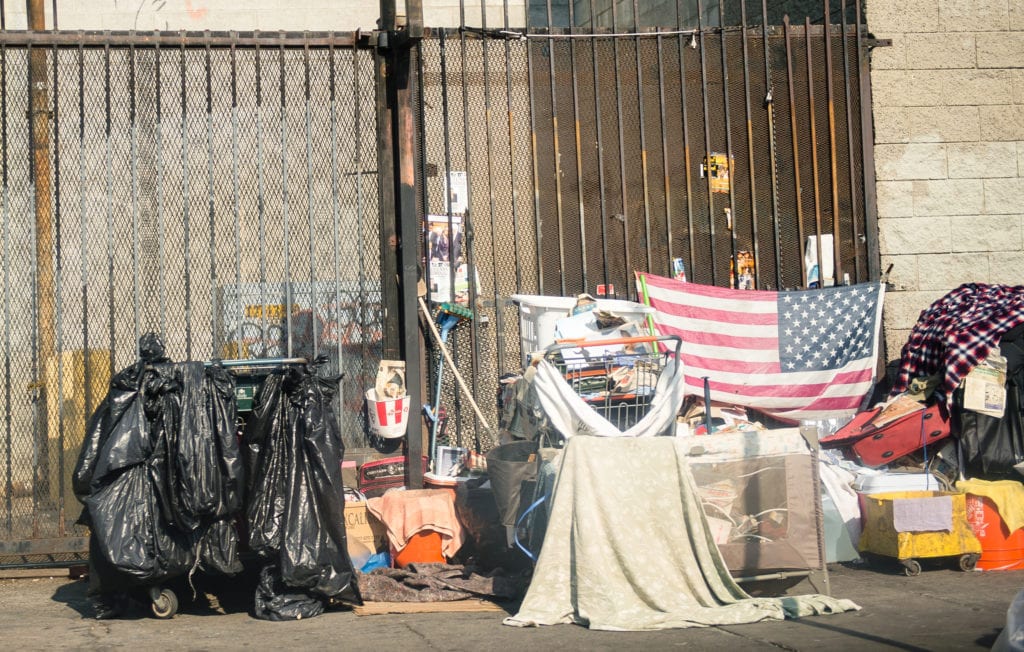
{"x": 628, "y": 547}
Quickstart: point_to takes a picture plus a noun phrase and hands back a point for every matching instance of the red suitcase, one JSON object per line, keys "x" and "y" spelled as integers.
{"x": 875, "y": 446}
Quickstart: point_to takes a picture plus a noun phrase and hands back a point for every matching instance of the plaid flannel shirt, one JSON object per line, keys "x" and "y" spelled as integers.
{"x": 957, "y": 332}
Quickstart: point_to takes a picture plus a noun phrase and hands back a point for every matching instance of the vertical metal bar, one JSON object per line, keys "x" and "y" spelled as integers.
{"x": 185, "y": 205}
{"x": 624, "y": 215}
{"x": 579, "y": 153}
{"x": 57, "y": 298}
{"x": 8, "y": 429}
{"x": 335, "y": 213}
{"x": 161, "y": 226}
{"x": 313, "y": 306}
{"x": 796, "y": 153}
{"x": 707, "y": 141}
{"x": 283, "y": 119}
{"x": 215, "y": 335}
{"x": 684, "y": 116}
{"x": 391, "y": 321}
{"x": 468, "y": 243}
{"x": 750, "y": 147}
{"x": 667, "y": 186}
{"x": 499, "y": 327}
{"x": 557, "y": 157}
{"x": 83, "y": 257}
{"x": 814, "y": 149}
{"x": 38, "y": 396}
{"x": 854, "y": 213}
{"x": 513, "y": 186}
{"x": 868, "y": 158}
{"x": 538, "y": 234}
{"x": 731, "y": 221}
{"x": 837, "y": 268}
{"x": 109, "y": 208}
{"x": 261, "y": 199}
{"x": 133, "y": 164}
{"x": 606, "y": 277}
{"x": 770, "y": 106}
{"x": 364, "y": 308}
{"x": 448, "y": 158}
{"x": 643, "y": 140}
{"x": 236, "y": 217}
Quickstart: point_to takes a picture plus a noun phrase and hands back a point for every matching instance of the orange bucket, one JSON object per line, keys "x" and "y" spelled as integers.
{"x": 1001, "y": 550}
{"x": 422, "y": 547}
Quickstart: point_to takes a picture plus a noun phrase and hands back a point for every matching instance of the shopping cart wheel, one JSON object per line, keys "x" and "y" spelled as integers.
{"x": 969, "y": 561}
{"x": 165, "y": 604}
{"x": 911, "y": 567}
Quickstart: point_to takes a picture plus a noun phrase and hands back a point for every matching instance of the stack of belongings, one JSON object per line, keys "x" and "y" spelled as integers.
{"x": 295, "y": 511}
{"x": 160, "y": 477}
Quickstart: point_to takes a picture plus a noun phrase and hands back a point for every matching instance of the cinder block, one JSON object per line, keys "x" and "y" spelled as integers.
{"x": 940, "y": 51}
{"x": 945, "y": 271}
{"x": 892, "y": 124}
{"x": 976, "y": 87}
{"x": 902, "y": 309}
{"x": 982, "y": 233}
{"x": 895, "y": 339}
{"x": 1020, "y": 159}
{"x": 1016, "y": 16}
{"x": 902, "y": 17}
{"x": 911, "y": 161}
{"x": 949, "y": 197}
{"x": 1004, "y": 196}
{"x": 903, "y": 276}
{"x": 1004, "y": 50}
{"x": 905, "y": 88}
{"x": 893, "y": 57}
{"x": 914, "y": 235}
{"x": 895, "y": 198}
{"x": 973, "y": 15}
{"x": 944, "y": 124}
{"x": 1006, "y": 267}
{"x": 1002, "y": 122}
{"x": 982, "y": 160}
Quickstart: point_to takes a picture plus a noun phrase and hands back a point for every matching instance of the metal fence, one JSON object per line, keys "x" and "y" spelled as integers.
{"x": 218, "y": 190}
{"x": 592, "y": 154}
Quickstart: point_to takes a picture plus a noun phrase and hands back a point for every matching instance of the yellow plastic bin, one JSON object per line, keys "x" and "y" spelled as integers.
{"x": 913, "y": 525}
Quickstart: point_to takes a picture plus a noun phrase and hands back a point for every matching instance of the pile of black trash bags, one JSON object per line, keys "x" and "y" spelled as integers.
{"x": 167, "y": 487}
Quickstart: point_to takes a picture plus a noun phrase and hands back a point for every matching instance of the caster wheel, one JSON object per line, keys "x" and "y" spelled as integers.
{"x": 968, "y": 562}
{"x": 911, "y": 567}
{"x": 165, "y": 605}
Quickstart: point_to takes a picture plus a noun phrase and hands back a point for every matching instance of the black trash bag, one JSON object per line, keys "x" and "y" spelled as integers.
{"x": 160, "y": 473}
{"x": 992, "y": 446}
{"x": 296, "y": 512}
{"x": 277, "y": 601}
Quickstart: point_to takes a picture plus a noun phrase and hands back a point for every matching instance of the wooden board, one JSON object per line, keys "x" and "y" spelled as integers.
{"x": 379, "y": 608}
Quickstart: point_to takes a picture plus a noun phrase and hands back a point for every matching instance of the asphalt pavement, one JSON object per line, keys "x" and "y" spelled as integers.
{"x": 941, "y": 609}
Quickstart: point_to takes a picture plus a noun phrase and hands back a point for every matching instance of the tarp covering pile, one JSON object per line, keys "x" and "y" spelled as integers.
{"x": 628, "y": 547}
{"x": 160, "y": 473}
{"x": 295, "y": 510}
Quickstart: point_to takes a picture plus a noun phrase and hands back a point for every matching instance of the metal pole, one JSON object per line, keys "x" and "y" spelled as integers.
{"x": 623, "y": 216}
{"x": 39, "y": 134}
{"x": 557, "y": 158}
{"x": 868, "y": 155}
{"x": 750, "y": 148}
{"x": 513, "y": 187}
{"x": 796, "y": 154}
{"x": 581, "y": 213}
{"x": 814, "y": 150}
{"x": 538, "y": 232}
{"x": 769, "y": 102}
{"x": 707, "y": 143}
{"x": 286, "y": 226}
{"x": 731, "y": 216}
{"x": 684, "y": 117}
{"x": 599, "y": 148}
{"x": 667, "y": 185}
{"x": 854, "y": 213}
{"x": 8, "y": 426}
{"x": 837, "y": 273}
{"x": 643, "y": 143}
{"x": 185, "y": 200}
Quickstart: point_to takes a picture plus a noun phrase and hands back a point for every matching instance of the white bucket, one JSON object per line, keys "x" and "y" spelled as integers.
{"x": 388, "y": 417}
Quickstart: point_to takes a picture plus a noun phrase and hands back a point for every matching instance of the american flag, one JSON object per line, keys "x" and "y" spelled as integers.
{"x": 807, "y": 354}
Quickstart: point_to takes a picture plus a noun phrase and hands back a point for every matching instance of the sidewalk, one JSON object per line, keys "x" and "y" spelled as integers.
{"x": 940, "y": 609}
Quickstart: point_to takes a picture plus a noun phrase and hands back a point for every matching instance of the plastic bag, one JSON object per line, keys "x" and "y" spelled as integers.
{"x": 295, "y": 514}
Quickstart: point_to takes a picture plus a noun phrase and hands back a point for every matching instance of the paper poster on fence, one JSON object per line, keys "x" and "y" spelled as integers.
{"x": 458, "y": 192}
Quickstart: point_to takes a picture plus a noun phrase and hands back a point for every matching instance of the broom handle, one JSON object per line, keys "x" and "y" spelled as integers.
{"x": 451, "y": 364}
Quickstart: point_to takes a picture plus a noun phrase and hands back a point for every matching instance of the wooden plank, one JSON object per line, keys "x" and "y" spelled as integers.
{"x": 381, "y": 608}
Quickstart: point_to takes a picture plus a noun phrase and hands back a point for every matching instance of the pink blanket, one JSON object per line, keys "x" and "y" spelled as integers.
{"x": 404, "y": 513}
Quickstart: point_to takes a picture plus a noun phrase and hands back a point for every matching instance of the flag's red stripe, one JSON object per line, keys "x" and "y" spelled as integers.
{"x": 711, "y": 314}
{"x": 717, "y": 339}
{"x": 809, "y": 390}
{"x": 732, "y": 366}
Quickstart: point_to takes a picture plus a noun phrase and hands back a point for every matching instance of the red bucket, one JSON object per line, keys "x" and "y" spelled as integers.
{"x": 1001, "y": 550}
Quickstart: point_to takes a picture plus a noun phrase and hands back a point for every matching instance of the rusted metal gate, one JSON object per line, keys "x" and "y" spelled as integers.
{"x": 586, "y": 151}
{"x": 218, "y": 189}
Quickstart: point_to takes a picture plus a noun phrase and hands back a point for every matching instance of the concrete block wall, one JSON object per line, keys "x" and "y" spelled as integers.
{"x": 948, "y": 106}
{"x": 297, "y": 15}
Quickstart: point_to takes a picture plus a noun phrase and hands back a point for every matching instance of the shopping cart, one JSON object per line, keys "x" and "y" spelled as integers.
{"x": 616, "y": 377}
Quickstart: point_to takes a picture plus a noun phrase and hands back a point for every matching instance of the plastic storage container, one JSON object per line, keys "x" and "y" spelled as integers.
{"x": 1000, "y": 549}
{"x": 538, "y": 315}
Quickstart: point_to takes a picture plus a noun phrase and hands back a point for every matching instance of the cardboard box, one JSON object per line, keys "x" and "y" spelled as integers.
{"x": 366, "y": 535}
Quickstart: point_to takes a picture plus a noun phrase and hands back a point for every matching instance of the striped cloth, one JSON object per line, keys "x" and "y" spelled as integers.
{"x": 793, "y": 355}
